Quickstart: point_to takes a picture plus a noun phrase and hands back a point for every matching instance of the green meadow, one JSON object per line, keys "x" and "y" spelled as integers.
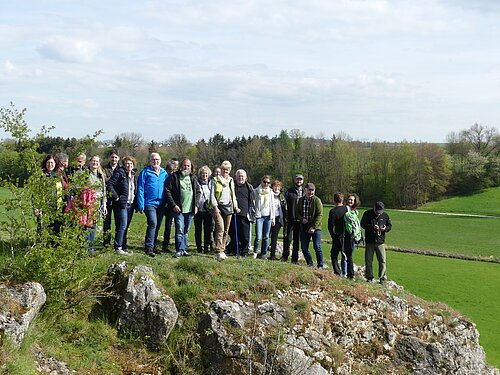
{"x": 470, "y": 287}
{"x": 483, "y": 203}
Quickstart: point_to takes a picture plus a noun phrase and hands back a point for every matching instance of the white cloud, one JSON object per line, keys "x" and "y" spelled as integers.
{"x": 67, "y": 49}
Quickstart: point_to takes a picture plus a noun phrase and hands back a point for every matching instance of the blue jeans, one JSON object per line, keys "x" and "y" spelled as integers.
{"x": 182, "y": 223}
{"x": 154, "y": 216}
{"x": 262, "y": 230}
{"x": 90, "y": 237}
{"x": 123, "y": 217}
{"x": 305, "y": 238}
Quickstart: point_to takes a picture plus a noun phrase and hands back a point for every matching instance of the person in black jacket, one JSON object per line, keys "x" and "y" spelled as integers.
{"x": 182, "y": 192}
{"x": 113, "y": 163}
{"x": 241, "y": 230}
{"x": 123, "y": 188}
{"x": 376, "y": 224}
{"x": 337, "y": 231}
{"x": 292, "y": 228}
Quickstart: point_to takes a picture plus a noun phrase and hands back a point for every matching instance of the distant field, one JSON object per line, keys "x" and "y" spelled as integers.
{"x": 485, "y": 203}
{"x": 469, "y": 236}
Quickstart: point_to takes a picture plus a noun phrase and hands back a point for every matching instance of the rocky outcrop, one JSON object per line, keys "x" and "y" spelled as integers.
{"x": 311, "y": 332}
{"x": 139, "y": 306}
{"x": 19, "y": 305}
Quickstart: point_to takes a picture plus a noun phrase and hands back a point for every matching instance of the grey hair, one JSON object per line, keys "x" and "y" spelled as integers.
{"x": 204, "y": 168}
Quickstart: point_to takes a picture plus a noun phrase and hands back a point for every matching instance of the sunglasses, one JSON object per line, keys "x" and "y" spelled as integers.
{"x": 266, "y": 182}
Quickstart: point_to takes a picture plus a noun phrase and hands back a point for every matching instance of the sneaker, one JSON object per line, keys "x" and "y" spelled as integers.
{"x": 381, "y": 281}
{"x": 166, "y": 250}
{"x": 255, "y": 255}
{"x": 221, "y": 256}
{"x": 283, "y": 259}
{"x": 129, "y": 252}
{"x": 177, "y": 255}
{"x": 323, "y": 267}
{"x": 150, "y": 253}
{"x": 119, "y": 251}
{"x": 263, "y": 257}
{"x": 186, "y": 254}
{"x": 369, "y": 280}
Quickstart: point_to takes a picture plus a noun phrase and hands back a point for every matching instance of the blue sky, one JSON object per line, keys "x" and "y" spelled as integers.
{"x": 374, "y": 70}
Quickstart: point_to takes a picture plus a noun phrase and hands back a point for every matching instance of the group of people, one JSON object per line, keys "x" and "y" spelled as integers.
{"x": 224, "y": 211}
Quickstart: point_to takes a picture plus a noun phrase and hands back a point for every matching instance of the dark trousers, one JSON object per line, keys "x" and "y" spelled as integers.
{"x": 275, "y": 231}
{"x": 292, "y": 232}
{"x": 203, "y": 223}
{"x": 243, "y": 228}
{"x": 342, "y": 244}
{"x": 106, "y": 225}
{"x": 169, "y": 218}
{"x": 123, "y": 218}
{"x": 305, "y": 238}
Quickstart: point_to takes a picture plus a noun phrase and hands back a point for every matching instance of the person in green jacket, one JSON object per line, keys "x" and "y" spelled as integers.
{"x": 309, "y": 211}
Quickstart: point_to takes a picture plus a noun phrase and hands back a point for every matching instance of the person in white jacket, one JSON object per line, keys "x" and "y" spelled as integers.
{"x": 264, "y": 214}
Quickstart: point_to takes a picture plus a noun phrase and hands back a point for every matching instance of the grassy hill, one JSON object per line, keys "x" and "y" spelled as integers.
{"x": 486, "y": 202}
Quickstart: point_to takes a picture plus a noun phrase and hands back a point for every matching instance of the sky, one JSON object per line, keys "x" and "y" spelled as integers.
{"x": 375, "y": 70}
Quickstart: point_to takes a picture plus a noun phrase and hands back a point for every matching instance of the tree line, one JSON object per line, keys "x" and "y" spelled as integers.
{"x": 402, "y": 174}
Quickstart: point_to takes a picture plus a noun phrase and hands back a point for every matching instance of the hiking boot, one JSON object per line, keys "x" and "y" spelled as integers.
{"x": 150, "y": 252}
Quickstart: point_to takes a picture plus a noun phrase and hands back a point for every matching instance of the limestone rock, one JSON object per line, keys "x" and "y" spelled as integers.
{"x": 139, "y": 305}
{"x": 336, "y": 333}
{"x": 19, "y": 305}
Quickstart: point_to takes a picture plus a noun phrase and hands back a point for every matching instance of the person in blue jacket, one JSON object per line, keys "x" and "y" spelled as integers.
{"x": 151, "y": 200}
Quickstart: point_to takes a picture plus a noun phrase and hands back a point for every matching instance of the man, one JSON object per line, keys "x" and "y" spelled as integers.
{"x": 171, "y": 167}
{"x": 182, "y": 193}
{"x": 113, "y": 160}
{"x": 292, "y": 224}
{"x": 151, "y": 200}
{"x": 337, "y": 231}
{"x": 240, "y": 231}
{"x": 376, "y": 224}
{"x": 309, "y": 212}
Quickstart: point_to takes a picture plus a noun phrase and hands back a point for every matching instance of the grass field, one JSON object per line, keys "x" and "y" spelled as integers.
{"x": 470, "y": 236}
{"x": 484, "y": 203}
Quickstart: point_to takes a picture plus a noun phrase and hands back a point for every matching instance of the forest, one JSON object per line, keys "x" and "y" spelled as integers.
{"x": 402, "y": 174}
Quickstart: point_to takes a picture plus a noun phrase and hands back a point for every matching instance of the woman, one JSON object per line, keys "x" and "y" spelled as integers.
{"x": 203, "y": 218}
{"x": 353, "y": 203}
{"x": 54, "y": 199}
{"x": 279, "y": 215}
{"x": 123, "y": 188}
{"x": 223, "y": 201}
{"x": 265, "y": 216}
{"x": 91, "y": 200}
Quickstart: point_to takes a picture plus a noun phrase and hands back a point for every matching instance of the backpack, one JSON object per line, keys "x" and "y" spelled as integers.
{"x": 352, "y": 225}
